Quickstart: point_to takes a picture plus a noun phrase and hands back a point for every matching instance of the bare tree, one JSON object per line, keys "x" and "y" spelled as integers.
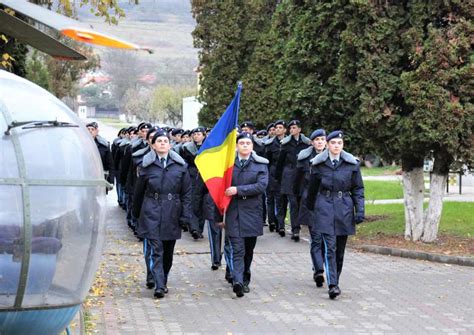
{"x": 122, "y": 67}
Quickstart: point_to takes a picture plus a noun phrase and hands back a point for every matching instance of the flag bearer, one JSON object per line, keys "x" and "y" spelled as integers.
{"x": 244, "y": 220}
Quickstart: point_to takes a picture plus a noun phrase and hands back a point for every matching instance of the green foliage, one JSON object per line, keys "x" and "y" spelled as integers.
{"x": 411, "y": 76}
{"x": 166, "y": 104}
{"x": 97, "y": 95}
{"x": 456, "y": 219}
{"x": 36, "y": 70}
{"x": 226, "y": 32}
{"x": 401, "y": 69}
{"x": 64, "y": 75}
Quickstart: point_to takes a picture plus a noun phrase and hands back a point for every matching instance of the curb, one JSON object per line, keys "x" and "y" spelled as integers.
{"x": 425, "y": 256}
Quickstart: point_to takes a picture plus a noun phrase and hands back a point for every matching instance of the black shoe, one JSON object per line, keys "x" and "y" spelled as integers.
{"x": 228, "y": 277}
{"x": 319, "y": 279}
{"x": 201, "y": 235}
{"x": 271, "y": 227}
{"x": 238, "y": 290}
{"x": 334, "y": 291}
{"x": 246, "y": 288}
{"x": 195, "y": 234}
{"x": 184, "y": 228}
{"x": 166, "y": 290}
{"x": 215, "y": 266}
{"x": 295, "y": 237}
{"x": 282, "y": 232}
{"x": 150, "y": 285}
{"x": 159, "y": 294}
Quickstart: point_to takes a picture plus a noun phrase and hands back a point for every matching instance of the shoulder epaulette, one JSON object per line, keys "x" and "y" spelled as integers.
{"x": 177, "y": 158}
{"x": 320, "y": 158}
{"x": 305, "y": 153}
{"x": 259, "y": 159}
{"x": 349, "y": 158}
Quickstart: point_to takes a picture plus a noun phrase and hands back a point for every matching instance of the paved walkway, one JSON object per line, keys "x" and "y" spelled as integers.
{"x": 380, "y": 294}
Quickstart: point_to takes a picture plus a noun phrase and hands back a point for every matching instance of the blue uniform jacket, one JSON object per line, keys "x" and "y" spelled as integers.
{"x": 272, "y": 153}
{"x": 244, "y": 217}
{"x": 336, "y": 194}
{"x": 162, "y": 197}
{"x": 286, "y": 164}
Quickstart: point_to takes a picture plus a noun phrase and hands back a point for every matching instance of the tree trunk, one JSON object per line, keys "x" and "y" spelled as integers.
{"x": 433, "y": 212}
{"x": 439, "y": 177}
{"x": 413, "y": 189}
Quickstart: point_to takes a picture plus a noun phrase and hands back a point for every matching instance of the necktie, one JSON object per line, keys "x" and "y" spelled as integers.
{"x": 334, "y": 162}
{"x": 242, "y": 162}
{"x": 163, "y": 161}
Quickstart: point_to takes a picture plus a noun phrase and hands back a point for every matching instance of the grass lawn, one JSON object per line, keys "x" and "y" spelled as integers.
{"x": 377, "y": 190}
{"x": 116, "y": 123}
{"x": 457, "y": 219}
{"x": 380, "y": 171}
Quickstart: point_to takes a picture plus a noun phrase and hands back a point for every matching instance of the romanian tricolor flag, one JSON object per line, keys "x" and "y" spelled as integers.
{"x": 215, "y": 158}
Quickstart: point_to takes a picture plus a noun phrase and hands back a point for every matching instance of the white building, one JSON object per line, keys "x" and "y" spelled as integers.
{"x": 191, "y": 108}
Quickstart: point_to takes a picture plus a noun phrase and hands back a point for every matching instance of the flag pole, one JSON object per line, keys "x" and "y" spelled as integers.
{"x": 223, "y": 232}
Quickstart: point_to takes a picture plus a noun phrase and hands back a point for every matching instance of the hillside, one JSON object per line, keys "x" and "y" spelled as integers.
{"x": 163, "y": 25}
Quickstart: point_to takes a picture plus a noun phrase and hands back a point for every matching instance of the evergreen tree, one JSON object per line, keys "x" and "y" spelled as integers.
{"x": 411, "y": 62}
{"x": 226, "y": 32}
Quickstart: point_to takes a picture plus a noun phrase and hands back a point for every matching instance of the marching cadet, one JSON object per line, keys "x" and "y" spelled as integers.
{"x": 162, "y": 204}
{"x": 185, "y": 137}
{"x": 137, "y": 159}
{"x": 272, "y": 152}
{"x": 188, "y": 152}
{"x": 336, "y": 194}
{"x": 121, "y": 146}
{"x": 286, "y": 173}
{"x": 114, "y": 148}
{"x": 104, "y": 151}
{"x": 128, "y": 176}
{"x": 318, "y": 139}
{"x": 176, "y": 134}
{"x": 243, "y": 221}
{"x": 270, "y": 131}
{"x": 261, "y": 134}
{"x": 259, "y": 148}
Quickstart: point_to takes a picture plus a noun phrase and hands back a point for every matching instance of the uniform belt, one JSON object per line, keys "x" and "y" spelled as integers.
{"x": 245, "y": 197}
{"x": 164, "y": 196}
{"x": 338, "y": 194}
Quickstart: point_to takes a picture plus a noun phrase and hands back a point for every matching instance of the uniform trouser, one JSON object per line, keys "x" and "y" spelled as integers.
{"x": 130, "y": 219}
{"x": 317, "y": 251}
{"x": 160, "y": 260}
{"x": 168, "y": 251}
{"x": 335, "y": 247}
{"x": 264, "y": 206}
{"x": 118, "y": 189}
{"x": 197, "y": 223}
{"x": 215, "y": 236}
{"x": 241, "y": 249}
{"x": 294, "y": 209}
{"x": 147, "y": 253}
{"x": 341, "y": 241}
{"x": 227, "y": 256}
{"x": 273, "y": 205}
